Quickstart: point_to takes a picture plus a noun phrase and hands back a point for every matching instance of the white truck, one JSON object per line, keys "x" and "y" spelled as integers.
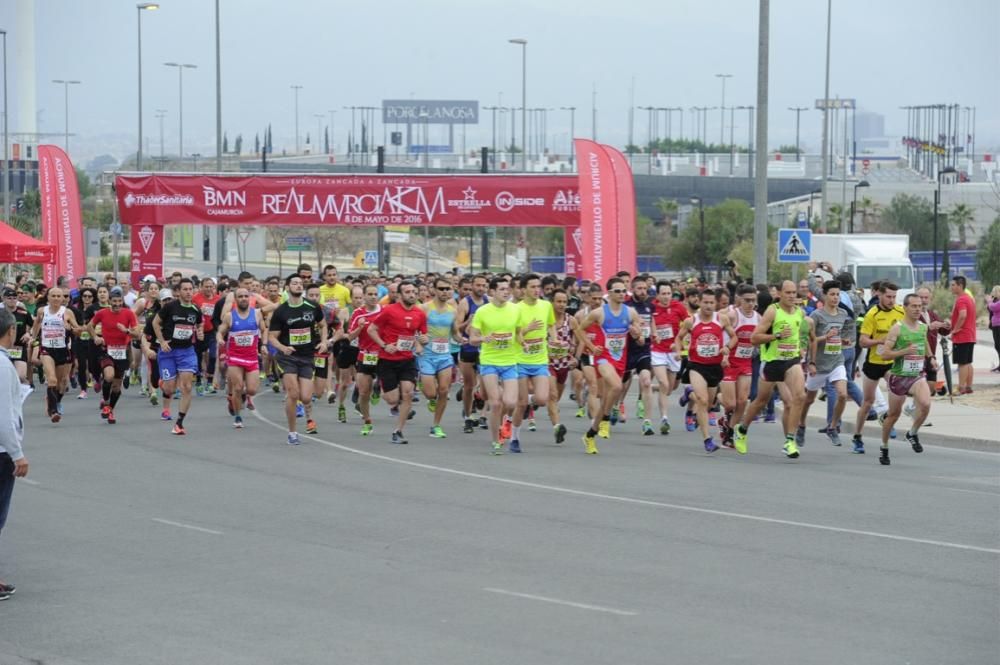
{"x": 868, "y": 257}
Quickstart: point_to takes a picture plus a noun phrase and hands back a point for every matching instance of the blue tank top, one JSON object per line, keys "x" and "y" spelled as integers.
{"x": 249, "y": 324}
{"x": 468, "y": 348}
{"x": 615, "y": 329}
{"x": 439, "y": 326}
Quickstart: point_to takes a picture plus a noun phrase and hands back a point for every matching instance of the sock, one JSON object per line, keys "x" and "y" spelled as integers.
{"x": 59, "y": 396}
{"x": 114, "y": 398}
{"x": 516, "y": 432}
{"x": 106, "y": 391}
{"x": 741, "y": 429}
{"x": 50, "y": 397}
{"x": 857, "y": 437}
{"x": 607, "y": 418}
{"x": 180, "y": 419}
{"x": 591, "y": 433}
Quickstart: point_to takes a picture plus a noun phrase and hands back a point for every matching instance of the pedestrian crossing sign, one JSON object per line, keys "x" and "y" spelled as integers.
{"x": 371, "y": 257}
{"x": 794, "y": 245}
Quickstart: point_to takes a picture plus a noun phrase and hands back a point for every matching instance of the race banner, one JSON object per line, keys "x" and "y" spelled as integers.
{"x": 625, "y": 252}
{"x": 598, "y": 211}
{"x": 363, "y": 200}
{"x": 147, "y": 252}
{"x": 62, "y": 220}
{"x": 572, "y": 243}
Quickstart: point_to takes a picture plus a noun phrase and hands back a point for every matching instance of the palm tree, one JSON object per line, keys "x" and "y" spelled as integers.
{"x": 960, "y": 217}
{"x": 871, "y": 214}
{"x": 668, "y": 209}
{"x": 835, "y": 217}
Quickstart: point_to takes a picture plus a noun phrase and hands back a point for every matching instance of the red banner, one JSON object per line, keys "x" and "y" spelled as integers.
{"x": 598, "y": 210}
{"x": 374, "y": 199}
{"x": 625, "y": 254}
{"x": 62, "y": 221}
{"x": 147, "y": 252}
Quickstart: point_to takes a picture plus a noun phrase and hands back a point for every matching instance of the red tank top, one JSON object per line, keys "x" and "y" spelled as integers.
{"x": 706, "y": 341}
{"x": 744, "y": 325}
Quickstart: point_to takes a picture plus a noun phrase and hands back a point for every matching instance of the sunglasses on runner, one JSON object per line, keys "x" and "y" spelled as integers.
{"x": 617, "y": 290}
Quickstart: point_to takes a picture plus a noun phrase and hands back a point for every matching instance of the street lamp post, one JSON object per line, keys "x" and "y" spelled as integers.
{"x": 6, "y": 143}
{"x": 722, "y": 109}
{"x": 701, "y": 242}
{"x": 333, "y": 134}
{"x": 180, "y": 105}
{"x": 854, "y": 203}
{"x": 937, "y": 202}
{"x": 66, "y": 84}
{"x": 296, "y": 88}
{"x": 524, "y": 102}
{"x": 160, "y": 115}
{"x": 572, "y": 132}
{"x": 142, "y": 6}
{"x": 798, "y": 112}
{"x": 649, "y": 136}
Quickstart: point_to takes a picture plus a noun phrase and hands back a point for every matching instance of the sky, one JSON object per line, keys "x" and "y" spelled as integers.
{"x": 885, "y": 53}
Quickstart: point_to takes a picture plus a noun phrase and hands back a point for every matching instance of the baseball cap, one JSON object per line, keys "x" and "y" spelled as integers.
{"x": 9, "y": 292}
{"x": 166, "y": 294}
{"x": 116, "y": 292}
{"x": 149, "y": 278}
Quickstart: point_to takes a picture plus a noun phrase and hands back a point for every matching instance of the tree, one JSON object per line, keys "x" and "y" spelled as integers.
{"x": 270, "y": 146}
{"x": 276, "y": 235}
{"x": 225, "y": 143}
{"x": 84, "y": 184}
{"x": 789, "y": 150}
{"x": 326, "y": 140}
{"x": 256, "y": 143}
{"x": 668, "y": 209}
{"x": 238, "y": 145}
{"x": 960, "y": 218}
{"x": 835, "y": 217}
{"x": 726, "y": 225}
{"x": 871, "y": 214}
{"x": 988, "y": 256}
{"x": 913, "y": 216}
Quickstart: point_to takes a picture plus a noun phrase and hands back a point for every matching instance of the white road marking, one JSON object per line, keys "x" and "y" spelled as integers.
{"x": 636, "y": 501}
{"x": 955, "y": 489}
{"x": 567, "y": 603}
{"x": 187, "y": 526}
{"x": 29, "y": 481}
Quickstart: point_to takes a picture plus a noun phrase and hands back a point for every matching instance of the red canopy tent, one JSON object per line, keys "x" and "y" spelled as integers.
{"x": 17, "y": 247}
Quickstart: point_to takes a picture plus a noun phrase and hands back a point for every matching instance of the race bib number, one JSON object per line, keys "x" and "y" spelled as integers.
{"x": 788, "y": 350}
{"x": 299, "y": 336}
{"x": 54, "y": 339}
{"x": 440, "y": 345}
{"x": 533, "y": 346}
{"x": 615, "y": 344}
{"x": 744, "y": 351}
{"x": 319, "y": 362}
{"x": 85, "y": 337}
{"x": 665, "y": 332}
{"x": 243, "y": 338}
{"x": 15, "y": 353}
{"x": 708, "y": 350}
{"x": 117, "y": 352}
{"x": 913, "y": 365}
{"x": 645, "y": 320}
{"x": 404, "y": 343}
{"x": 369, "y": 359}
{"x": 501, "y": 341}
{"x": 558, "y": 351}
{"x": 207, "y": 310}
{"x": 183, "y": 331}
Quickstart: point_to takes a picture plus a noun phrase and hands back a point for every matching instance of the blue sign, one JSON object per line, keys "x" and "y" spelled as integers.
{"x": 116, "y": 229}
{"x": 433, "y": 149}
{"x": 794, "y": 245}
{"x": 371, "y": 257}
{"x": 801, "y": 220}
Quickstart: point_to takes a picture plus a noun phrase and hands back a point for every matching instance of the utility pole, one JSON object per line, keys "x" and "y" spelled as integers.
{"x": 760, "y": 184}
{"x": 826, "y": 122}
{"x": 798, "y": 112}
{"x": 722, "y": 109}
{"x": 296, "y": 88}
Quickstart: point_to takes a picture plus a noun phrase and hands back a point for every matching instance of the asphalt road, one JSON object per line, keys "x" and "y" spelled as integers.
{"x": 132, "y": 546}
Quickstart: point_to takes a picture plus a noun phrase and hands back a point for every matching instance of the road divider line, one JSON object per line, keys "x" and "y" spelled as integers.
{"x": 567, "y": 603}
{"x": 192, "y": 527}
{"x": 29, "y": 481}
{"x": 633, "y": 500}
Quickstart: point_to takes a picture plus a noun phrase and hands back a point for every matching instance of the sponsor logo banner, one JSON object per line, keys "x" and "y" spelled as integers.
{"x": 625, "y": 250}
{"x": 431, "y": 111}
{"x": 62, "y": 220}
{"x": 409, "y": 200}
{"x": 598, "y": 211}
{"x": 147, "y": 252}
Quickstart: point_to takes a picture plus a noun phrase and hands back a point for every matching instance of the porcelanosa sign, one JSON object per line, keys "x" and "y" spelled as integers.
{"x": 468, "y": 200}
{"x": 438, "y": 112}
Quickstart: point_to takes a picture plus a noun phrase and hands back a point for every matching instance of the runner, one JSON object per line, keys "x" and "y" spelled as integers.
{"x": 20, "y": 350}
{"x": 177, "y": 326}
{"x": 468, "y": 355}
{"x": 831, "y": 330}
{"x": 877, "y": 323}
{"x": 323, "y": 360}
{"x": 240, "y": 334}
{"x": 535, "y": 327}
{"x": 639, "y": 360}
{"x": 906, "y": 346}
{"x": 206, "y": 348}
{"x": 736, "y": 379}
{"x": 436, "y": 363}
{"x": 118, "y": 326}
{"x": 780, "y": 334}
{"x": 617, "y": 321}
{"x": 293, "y": 333}
{"x": 148, "y": 345}
{"x": 367, "y": 353}
{"x": 708, "y": 358}
{"x": 589, "y": 397}
{"x": 666, "y": 363}
{"x": 492, "y": 329}
{"x": 561, "y": 358}
{"x": 53, "y": 326}
{"x": 395, "y": 331}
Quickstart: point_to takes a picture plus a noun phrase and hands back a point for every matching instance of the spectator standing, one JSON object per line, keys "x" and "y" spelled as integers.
{"x": 993, "y": 303}
{"x": 963, "y": 333}
{"x": 13, "y": 463}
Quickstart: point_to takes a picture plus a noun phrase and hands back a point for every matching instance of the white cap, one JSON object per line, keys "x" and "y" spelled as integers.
{"x": 166, "y": 293}
{"x": 149, "y": 278}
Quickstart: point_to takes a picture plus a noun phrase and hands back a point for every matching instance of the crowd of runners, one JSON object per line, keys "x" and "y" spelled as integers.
{"x": 511, "y": 346}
